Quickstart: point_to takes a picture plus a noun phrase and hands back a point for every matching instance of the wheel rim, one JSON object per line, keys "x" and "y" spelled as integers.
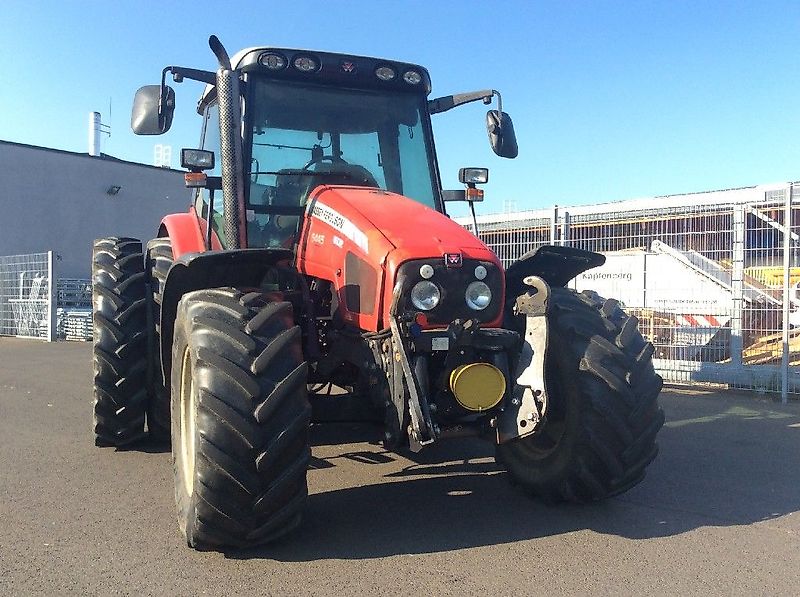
{"x": 188, "y": 425}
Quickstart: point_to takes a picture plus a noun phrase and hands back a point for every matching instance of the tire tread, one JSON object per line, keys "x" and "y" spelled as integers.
{"x": 119, "y": 351}
{"x": 253, "y": 418}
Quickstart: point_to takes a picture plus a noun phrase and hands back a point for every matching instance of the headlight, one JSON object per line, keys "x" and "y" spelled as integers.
{"x": 478, "y": 296}
{"x": 425, "y": 295}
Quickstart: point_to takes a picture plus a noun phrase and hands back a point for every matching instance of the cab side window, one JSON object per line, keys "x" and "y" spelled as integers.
{"x": 211, "y": 142}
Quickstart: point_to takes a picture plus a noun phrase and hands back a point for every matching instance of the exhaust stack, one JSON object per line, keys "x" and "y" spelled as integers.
{"x": 94, "y": 134}
{"x": 96, "y": 127}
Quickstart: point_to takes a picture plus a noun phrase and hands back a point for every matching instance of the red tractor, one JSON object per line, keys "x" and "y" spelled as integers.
{"x": 329, "y": 262}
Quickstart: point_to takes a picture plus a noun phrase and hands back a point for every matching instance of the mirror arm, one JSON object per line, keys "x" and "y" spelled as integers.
{"x": 179, "y": 73}
{"x": 443, "y": 104}
{"x": 162, "y": 97}
{"x": 457, "y": 195}
{"x": 499, "y": 100}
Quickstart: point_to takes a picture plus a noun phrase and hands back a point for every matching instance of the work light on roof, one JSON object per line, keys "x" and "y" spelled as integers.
{"x": 412, "y": 77}
{"x": 385, "y": 73}
{"x": 272, "y": 61}
{"x": 305, "y": 64}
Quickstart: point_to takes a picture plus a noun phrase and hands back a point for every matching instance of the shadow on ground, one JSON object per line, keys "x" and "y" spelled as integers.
{"x": 723, "y": 462}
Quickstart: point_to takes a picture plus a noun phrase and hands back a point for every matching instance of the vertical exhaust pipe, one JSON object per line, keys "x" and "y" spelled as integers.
{"x": 228, "y": 100}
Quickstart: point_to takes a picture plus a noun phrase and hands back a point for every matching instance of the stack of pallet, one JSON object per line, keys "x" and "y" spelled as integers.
{"x": 769, "y": 349}
{"x": 74, "y": 292}
{"x": 74, "y": 313}
{"x": 74, "y": 323}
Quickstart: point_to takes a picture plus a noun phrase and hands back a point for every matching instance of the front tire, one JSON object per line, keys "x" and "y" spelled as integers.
{"x": 240, "y": 417}
{"x": 598, "y": 435}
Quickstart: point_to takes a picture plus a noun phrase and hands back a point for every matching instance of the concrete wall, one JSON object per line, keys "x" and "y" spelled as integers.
{"x": 57, "y": 200}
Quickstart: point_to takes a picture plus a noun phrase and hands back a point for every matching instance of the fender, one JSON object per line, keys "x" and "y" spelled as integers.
{"x": 187, "y": 233}
{"x": 555, "y": 265}
{"x": 212, "y": 269}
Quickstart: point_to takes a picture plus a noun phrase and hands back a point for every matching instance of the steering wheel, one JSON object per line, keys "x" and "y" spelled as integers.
{"x": 324, "y": 158}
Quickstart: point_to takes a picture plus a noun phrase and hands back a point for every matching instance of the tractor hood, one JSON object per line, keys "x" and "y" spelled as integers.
{"x": 359, "y": 238}
{"x": 408, "y": 225}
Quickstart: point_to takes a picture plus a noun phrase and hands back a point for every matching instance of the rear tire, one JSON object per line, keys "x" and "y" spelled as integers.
{"x": 240, "y": 417}
{"x": 159, "y": 259}
{"x": 599, "y": 432}
{"x": 119, "y": 341}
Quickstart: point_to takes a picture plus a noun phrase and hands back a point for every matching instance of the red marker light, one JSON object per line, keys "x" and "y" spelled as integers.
{"x": 421, "y": 319}
{"x": 195, "y": 179}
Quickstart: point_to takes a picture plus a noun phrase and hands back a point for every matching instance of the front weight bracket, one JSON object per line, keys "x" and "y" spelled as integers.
{"x": 528, "y": 403}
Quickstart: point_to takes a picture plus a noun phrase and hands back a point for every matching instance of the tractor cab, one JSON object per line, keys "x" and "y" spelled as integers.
{"x": 311, "y": 119}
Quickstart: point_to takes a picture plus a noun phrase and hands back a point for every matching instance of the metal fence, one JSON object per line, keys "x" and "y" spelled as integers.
{"x": 25, "y": 292}
{"x": 36, "y": 303}
{"x": 714, "y": 279}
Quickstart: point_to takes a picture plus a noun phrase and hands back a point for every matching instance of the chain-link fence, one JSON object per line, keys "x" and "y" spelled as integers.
{"x": 31, "y": 307}
{"x": 714, "y": 279}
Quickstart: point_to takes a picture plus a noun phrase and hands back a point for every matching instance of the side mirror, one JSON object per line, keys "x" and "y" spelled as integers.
{"x": 501, "y": 134}
{"x": 152, "y": 112}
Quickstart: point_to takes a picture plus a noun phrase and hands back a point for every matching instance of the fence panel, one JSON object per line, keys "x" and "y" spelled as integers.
{"x": 707, "y": 280}
{"x": 32, "y": 307}
{"x": 25, "y": 292}
{"x": 511, "y": 240}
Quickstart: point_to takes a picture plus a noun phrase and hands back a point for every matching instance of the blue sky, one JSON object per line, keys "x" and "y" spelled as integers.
{"x": 610, "y": 100}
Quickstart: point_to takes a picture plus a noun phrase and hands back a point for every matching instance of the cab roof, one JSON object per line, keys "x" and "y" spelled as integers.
{"x": 337, "y": 70}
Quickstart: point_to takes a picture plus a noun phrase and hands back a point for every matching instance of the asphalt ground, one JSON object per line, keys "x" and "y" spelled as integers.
{"x": 717, "y": 513}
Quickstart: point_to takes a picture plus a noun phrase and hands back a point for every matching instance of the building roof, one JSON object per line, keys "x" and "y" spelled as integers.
{"x": 772, "y": 192}
{"x": 102, "y": 156}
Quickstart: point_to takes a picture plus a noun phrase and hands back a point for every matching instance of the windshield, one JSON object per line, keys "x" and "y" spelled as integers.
{"x": 304, "y": 136}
